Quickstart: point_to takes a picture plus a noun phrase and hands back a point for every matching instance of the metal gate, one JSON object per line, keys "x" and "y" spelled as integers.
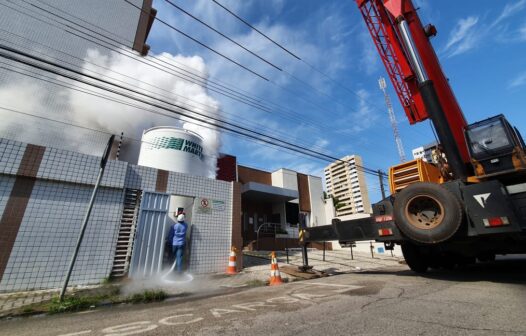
{"x": 148, "y": 248}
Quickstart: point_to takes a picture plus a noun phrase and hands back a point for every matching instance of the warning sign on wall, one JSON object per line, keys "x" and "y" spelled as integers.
{"x": 206, "y": 205}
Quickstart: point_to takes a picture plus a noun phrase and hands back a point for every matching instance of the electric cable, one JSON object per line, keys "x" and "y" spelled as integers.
{"x": 201, "y": 43}
{"x": 229, "y": 126}
{"x": 246, "y": 132}
{"x": 140, "y": 60}
{"x": 299, "y": 80}
{"x": 223, "y": 35}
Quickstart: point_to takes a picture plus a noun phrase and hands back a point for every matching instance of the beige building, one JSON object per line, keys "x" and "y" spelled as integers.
{"x": 347, "y": 183}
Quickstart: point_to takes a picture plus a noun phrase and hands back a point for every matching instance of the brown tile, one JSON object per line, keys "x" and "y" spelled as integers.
{"x": 303, "y": 189}
{"x": 246, "y": 174}
{"x": 31, "y": 160}
{"x": 237, "y": 234}
{"x": 161, "y": 184}
{"x": 12, "y": 219}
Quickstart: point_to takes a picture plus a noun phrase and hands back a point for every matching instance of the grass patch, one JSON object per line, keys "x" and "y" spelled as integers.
{"x": 256, "y": 283}
{"x": 72, "y": 303}
{"x": 148, "y": 296}
{"x": 84, "y": 300}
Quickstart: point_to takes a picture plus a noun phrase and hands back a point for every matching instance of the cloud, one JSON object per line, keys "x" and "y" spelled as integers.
{"x": 509, "y": 10}
{"x": 463, "y": 37}
{"x": 522, "y": 32}
{"x": 472, "y": 31}
{"x": 369, "y": 61}
{"x": 58, "y": 103}
{"x": 364, "y": 117}
{"x": 324, "y": 38}
{"x": 520, "y": 80}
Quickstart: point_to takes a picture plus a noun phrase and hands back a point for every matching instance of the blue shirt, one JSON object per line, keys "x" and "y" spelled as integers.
{"x": 177, "y": 234}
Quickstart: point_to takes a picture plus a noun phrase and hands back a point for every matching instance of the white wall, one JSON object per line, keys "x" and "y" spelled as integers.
{"x": 317, "y": 202}
{"x": 285, "y": 178}
{"x": 330, "y": 211}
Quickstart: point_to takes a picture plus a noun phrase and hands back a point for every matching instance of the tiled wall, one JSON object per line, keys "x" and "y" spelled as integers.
{"x": 6, "y": 184}
{"x": 49, "y": 231}
{"x": 74, "y": 167}
{"x": 212, "y": 231}
{"x": 138, "y": 177}
{"x": 11, "y": 153}
{"x": 54, "y": 213}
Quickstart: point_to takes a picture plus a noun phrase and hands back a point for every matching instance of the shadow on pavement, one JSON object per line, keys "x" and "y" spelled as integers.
{"x": 511, "y": 271}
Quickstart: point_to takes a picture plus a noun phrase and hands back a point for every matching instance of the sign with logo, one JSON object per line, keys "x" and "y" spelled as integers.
{"x": 218, "y": 205}
{"x": 178, "y": 144}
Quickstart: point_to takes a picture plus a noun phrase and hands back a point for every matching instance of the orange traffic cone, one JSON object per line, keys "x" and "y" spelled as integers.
{"x": 275, "y": 276}
{"x": 231, "y": 269}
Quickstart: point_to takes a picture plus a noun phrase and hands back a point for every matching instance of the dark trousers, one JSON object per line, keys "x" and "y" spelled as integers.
{"x": 178, "y": 252}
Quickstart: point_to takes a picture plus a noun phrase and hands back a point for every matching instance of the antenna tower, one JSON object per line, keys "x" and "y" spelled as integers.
{"x": 392, "y": 117}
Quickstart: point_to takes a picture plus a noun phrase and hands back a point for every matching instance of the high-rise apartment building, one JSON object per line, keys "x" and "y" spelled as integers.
{"x": 346, "y": 183}
{"x": 424, "y": 152}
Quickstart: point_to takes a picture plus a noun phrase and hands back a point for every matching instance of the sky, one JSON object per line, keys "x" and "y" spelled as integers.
{"x": 330, "y": 101}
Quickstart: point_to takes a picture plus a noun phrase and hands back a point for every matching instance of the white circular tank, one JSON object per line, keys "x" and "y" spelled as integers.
{"x": 173, "y": 149}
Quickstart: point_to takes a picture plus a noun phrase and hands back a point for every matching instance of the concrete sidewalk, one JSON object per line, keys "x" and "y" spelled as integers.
{"x": 255, "y": 273}
{"x": 336, "y": 261}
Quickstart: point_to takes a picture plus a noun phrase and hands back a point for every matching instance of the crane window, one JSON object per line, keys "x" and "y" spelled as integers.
{"x": 488, "y": 139}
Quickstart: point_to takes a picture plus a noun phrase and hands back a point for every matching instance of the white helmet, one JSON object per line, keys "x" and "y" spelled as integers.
{"x": 180, "y": 218}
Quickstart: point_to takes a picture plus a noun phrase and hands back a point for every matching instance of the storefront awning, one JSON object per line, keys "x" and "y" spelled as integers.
{"x": 262, "y": 192}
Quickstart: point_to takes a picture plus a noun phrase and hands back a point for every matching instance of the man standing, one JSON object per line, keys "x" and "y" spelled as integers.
{"x": 177, "y": 237}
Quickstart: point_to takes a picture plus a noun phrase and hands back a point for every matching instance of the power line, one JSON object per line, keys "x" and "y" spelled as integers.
{"x": 257, "y": 30}
{"x": 188, "y": 69}
{"x": 201, "y": 80}
{"x": 199, "y": 42}
{"x": 139, "y": 60}
{"x": 98, "y": 95}
{"x": 299, "y": 80}
{"x": 247, "y": 132}
{"x": 223, "y": 35}
{"x": 75, "y": 34}
{"x": 260, "y": 107}
{"x": 229, "y": 126}
{"x": 379, "y": 108}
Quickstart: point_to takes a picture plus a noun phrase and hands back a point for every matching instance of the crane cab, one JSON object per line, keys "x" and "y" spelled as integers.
{"x": 495, "y": 147}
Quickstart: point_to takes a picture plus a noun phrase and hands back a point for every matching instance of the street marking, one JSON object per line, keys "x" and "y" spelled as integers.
{"x": 309, "y": 297}
{"x": 185, "y": 317}
{"x": 165, "y": 320}
{"x": 77, "y": 333}
{"x": 129, "y": 328}
{"x": 283, "y": 299}
{"x": 344, "y": 288}
{"x": 250, "y": 305}
{"x": 218, "y": 312}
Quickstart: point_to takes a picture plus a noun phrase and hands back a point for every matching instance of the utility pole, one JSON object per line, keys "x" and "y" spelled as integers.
{"x": 381, "y": 177}
{"x": 392, "y": 118}
{"x": 103, "y": 162}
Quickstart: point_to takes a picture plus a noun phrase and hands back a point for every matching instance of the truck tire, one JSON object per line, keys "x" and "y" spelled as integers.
{"x": 427, "y": 213}
{"x": 415, "y": 259}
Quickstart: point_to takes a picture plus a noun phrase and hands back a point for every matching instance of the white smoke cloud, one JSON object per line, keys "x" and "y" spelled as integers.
{"x": 82, "y": 109}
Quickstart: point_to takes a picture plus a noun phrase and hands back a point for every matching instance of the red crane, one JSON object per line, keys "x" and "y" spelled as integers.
{"x": 471, "y": 206}
{"x": 410, "y": 60}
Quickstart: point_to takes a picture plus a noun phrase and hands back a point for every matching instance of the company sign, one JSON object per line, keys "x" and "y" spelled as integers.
{"x": 178, "y": 144}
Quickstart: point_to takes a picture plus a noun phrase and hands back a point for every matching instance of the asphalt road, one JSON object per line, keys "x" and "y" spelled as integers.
{"x": 484, "y": 299}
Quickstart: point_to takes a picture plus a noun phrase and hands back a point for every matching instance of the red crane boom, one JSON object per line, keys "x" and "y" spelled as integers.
{"x": 382, "y": 18}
